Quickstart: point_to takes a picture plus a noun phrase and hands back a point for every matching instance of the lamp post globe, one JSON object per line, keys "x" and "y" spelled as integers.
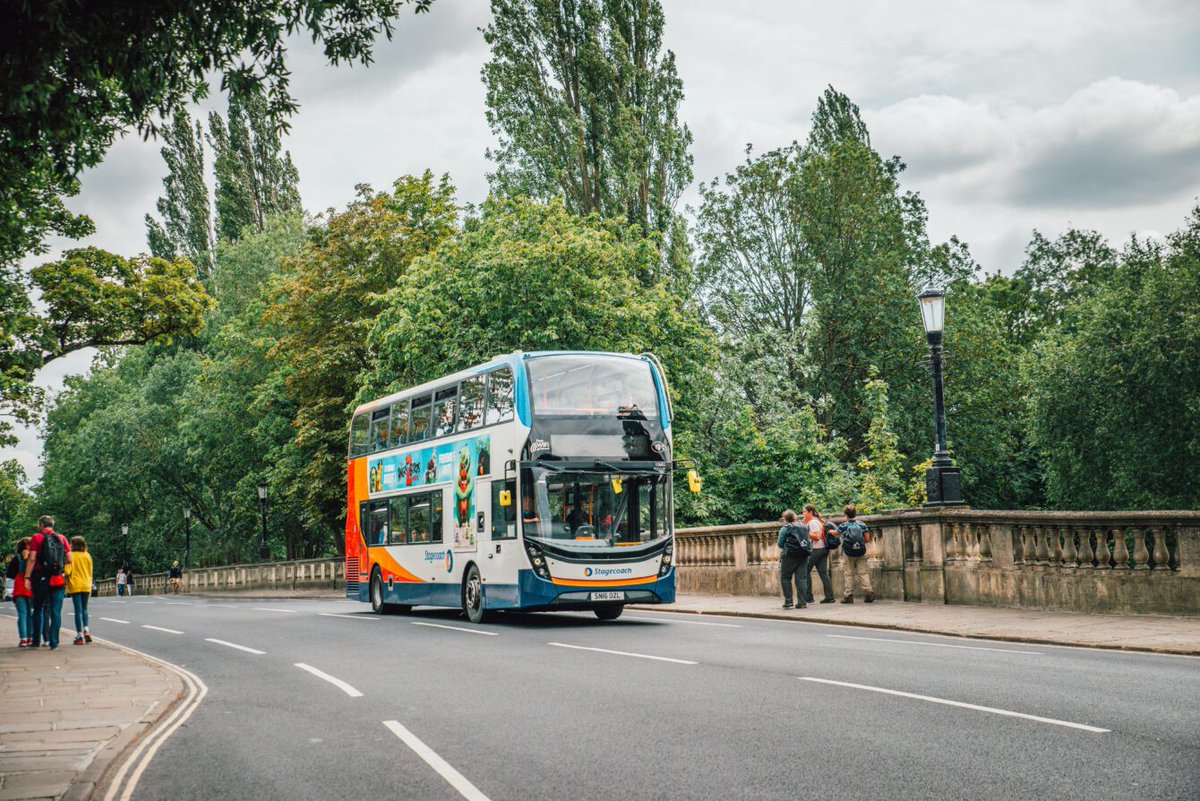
{"x": 943, "y": 483}
{"x": 264, "y": 552}
{"x": 125, "y": 540}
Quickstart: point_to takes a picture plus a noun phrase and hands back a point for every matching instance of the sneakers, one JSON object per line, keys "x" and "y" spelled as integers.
{"x": 787, "y": 606}
{"x": 870, "y": 597}
{"x": 79, "y": 640}
{"x": 848, "y": 600}
{"x": 23, "y": 644}
{"x": 87, "y": 636}
{"x": 826, "y": 600}
{"x": 802, "y": 606}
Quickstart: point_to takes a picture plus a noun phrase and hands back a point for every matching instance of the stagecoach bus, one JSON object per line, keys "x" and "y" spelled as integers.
{"x": 537, "y": 481}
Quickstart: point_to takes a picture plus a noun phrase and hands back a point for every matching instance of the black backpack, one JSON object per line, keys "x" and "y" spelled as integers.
{"x": 832, "y": 540}
{"x": 796, "y": 542}
{"x": 14, "y": 566}
{"x": 854, "y": 538}
{"x": 52, "y": 555}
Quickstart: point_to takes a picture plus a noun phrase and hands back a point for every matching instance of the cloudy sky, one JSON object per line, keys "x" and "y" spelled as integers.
{"x": 1010, "y": 115}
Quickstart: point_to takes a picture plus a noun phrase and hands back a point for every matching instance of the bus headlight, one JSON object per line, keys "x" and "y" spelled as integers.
{"x": 537, "y": 560}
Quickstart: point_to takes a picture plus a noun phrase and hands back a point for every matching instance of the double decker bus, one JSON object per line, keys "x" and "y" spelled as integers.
{"x": 537, "y": 481}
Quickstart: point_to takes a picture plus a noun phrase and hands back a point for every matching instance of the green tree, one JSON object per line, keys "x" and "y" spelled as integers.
{"x": 881, "y": 482}
{"x": 532, "y": 276}
{"x": 256, "y": 178}
{"x": 585, "y": 104}
{"x": 16, "y": 509}
{"x": 323, "y": 307}
{"x": 186, "y": 226}
{"x": 74, "y": 75}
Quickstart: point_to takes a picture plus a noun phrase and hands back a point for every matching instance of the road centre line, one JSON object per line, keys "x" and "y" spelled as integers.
{"x": 180, "y": 603}
{"x": 447, "y": 772}
{"x": 336, "y": 682}
{"x": 688, "y": 622}
{"x": 454, "y": 628}
{"x": 114, "y": 620}
{"x": 351, "y": 617}
{"x": 269, "y": 609}
{"x": 947, "y": 702}
{"x": 624, "y": 653}
{"x": 235, "y": 645}
{"x": 160, "y": 628}
{"x": 935, "y": 644}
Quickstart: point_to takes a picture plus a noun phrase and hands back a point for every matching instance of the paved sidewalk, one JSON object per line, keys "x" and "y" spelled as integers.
{"x": 68, "y": 713}
{"x": 1158, "y": 633}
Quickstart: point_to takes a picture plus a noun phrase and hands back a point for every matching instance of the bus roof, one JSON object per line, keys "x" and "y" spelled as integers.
{"x": 509, "y": 359}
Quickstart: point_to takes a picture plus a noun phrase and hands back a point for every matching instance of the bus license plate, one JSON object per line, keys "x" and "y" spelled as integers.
{"x": 608, "y": 596}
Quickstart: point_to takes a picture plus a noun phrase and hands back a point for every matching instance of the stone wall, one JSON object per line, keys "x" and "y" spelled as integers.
{"x": 300, "y": 575}
{"x": 1117, "y": 562}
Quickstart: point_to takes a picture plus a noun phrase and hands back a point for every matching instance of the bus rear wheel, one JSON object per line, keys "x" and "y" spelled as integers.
{"x": 609, "y": 612}
{"x": 472, "y": 596}
{"x": 377, "y": 604}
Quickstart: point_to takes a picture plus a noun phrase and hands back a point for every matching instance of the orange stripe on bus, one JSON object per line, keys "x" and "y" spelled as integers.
{"x": 604, "y": 582}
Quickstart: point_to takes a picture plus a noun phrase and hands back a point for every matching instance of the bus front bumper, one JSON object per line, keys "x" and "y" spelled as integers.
{"x": 538, "y": 593}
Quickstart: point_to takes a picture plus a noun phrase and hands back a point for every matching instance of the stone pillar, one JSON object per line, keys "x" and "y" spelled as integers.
{"x": 933, "y": 562}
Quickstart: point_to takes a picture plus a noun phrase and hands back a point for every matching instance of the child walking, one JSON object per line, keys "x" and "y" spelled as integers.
{"x": 79, "y": 588}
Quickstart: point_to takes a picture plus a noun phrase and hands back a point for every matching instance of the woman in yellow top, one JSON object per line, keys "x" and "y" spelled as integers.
{"x": 79, "y": 587}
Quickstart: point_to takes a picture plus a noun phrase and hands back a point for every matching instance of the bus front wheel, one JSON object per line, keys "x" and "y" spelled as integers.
{"x": 609, "y": 612}
{"x": 472, "y": 595}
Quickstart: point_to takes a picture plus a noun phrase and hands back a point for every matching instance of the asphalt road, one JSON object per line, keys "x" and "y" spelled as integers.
{"x": 651, "y": 706}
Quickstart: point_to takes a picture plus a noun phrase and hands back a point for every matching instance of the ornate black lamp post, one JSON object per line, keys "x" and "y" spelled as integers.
{"x": 263, "y": 551}
{"x": 187, "y": 537}
{"x": 943, "y": 484}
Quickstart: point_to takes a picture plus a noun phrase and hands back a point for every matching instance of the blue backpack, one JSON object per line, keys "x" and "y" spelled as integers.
{"x": 854, "y": 538}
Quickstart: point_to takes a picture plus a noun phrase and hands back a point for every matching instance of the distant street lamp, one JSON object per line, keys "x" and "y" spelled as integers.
{"x": 263, "y": 550}
{"x": 943, "y": 484}
{"x": 125, "y": 537}
{"x": 187, "y": 537}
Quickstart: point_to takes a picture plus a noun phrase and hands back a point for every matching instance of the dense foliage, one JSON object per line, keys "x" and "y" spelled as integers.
{"x": 788, "y": 324}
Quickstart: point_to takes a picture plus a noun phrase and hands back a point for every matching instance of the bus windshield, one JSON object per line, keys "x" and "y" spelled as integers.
{"x": 594, "y": 386}
{"x": 594, "y": 509}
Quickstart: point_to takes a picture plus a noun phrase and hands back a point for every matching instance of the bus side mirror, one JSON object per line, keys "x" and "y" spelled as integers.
{"x": 617, "y": 486}
{"x": 505, "y": 498}
{"x": 694, "y": 481}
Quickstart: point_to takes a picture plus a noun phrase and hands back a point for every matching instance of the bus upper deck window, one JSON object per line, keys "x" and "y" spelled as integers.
{"x": 418, "y": 420}
{"x": 500, "y": 396}
{"x": 445, "y": 411}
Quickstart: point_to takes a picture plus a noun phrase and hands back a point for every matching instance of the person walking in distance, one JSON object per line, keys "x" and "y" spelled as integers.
{"x": 794, "y": 548}
{"x": 50, "y": 555}
{"x": 820, "y": 554}
{"x": 79, "y": 587}
{"x": 855, "y": 536}
{"x": 175, "y": 574}
{"x": 121, "y": 581}
{"x": 129, "y": 578}
{"x": 22, "y": 593}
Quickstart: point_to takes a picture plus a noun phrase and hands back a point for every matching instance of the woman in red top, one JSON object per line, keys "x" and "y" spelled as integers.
{"x": 23, "y": 595}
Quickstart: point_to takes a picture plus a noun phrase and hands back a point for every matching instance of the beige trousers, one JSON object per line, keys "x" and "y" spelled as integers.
{"x": 855, "y": 566}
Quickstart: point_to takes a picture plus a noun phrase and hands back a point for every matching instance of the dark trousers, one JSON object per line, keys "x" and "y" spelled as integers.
{"x": 47, "y": 612}
{"x": 819, "y": 560}
{"x": 792, "y": 568}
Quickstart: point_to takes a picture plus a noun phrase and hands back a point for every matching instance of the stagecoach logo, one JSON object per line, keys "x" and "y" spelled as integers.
{"x": 607, "y": 571}
{"x": 447, "y": 556}
{"x": 538, "y": 445}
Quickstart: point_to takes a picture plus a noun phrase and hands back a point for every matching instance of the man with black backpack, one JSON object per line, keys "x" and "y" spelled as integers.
{"x": 855, "y": 536}
{"x": 795, "y": 548}
{"x": 50, "y": 554}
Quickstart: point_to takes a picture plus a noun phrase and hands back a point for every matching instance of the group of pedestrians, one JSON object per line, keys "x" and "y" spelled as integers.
{"x": 46, "y": 568}
{"x": 126, "y": 580}
{"x": 807, "y": 544}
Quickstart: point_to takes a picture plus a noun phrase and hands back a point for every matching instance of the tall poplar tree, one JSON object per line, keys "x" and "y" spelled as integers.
{"x": 255, "y": 175}
{"x": 186, "y": 212}
{"x": 585, "y": 103}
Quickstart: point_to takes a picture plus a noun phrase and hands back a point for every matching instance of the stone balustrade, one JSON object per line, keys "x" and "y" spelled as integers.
{"x": 303, "y": 574}
{"x": 1124, "y": 562}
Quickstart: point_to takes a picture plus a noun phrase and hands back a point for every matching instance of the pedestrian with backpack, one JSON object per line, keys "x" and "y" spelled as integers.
{"x": 855, "y": 536}
{"x": 819, "y": 558}
{"x": 79, "y": 587}
{"x": 22, "y": 592}
{"x": 794, "y": 548}
{"x": 51, "y": 553}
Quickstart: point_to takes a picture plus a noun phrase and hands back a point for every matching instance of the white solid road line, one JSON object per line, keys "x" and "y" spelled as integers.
{"x": 160, "y": 628}
{"x": 268, "y": 609}
{"x": 688, "y": 622}
{"x": 125, "y": 780}
{"x": 145, "y": 602}
{"x": 453, "y": 628}
{"x": 352, "y": 617}
{"x": 336, "y": 682}
{"x": 235, "y": 645}
{"x": 624, "y": 653}
{"x": 447, "y": 772}
{"x": 947, "y": 702}
{"x": 114, "y": 620}
{"x": 935, "y": 644}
